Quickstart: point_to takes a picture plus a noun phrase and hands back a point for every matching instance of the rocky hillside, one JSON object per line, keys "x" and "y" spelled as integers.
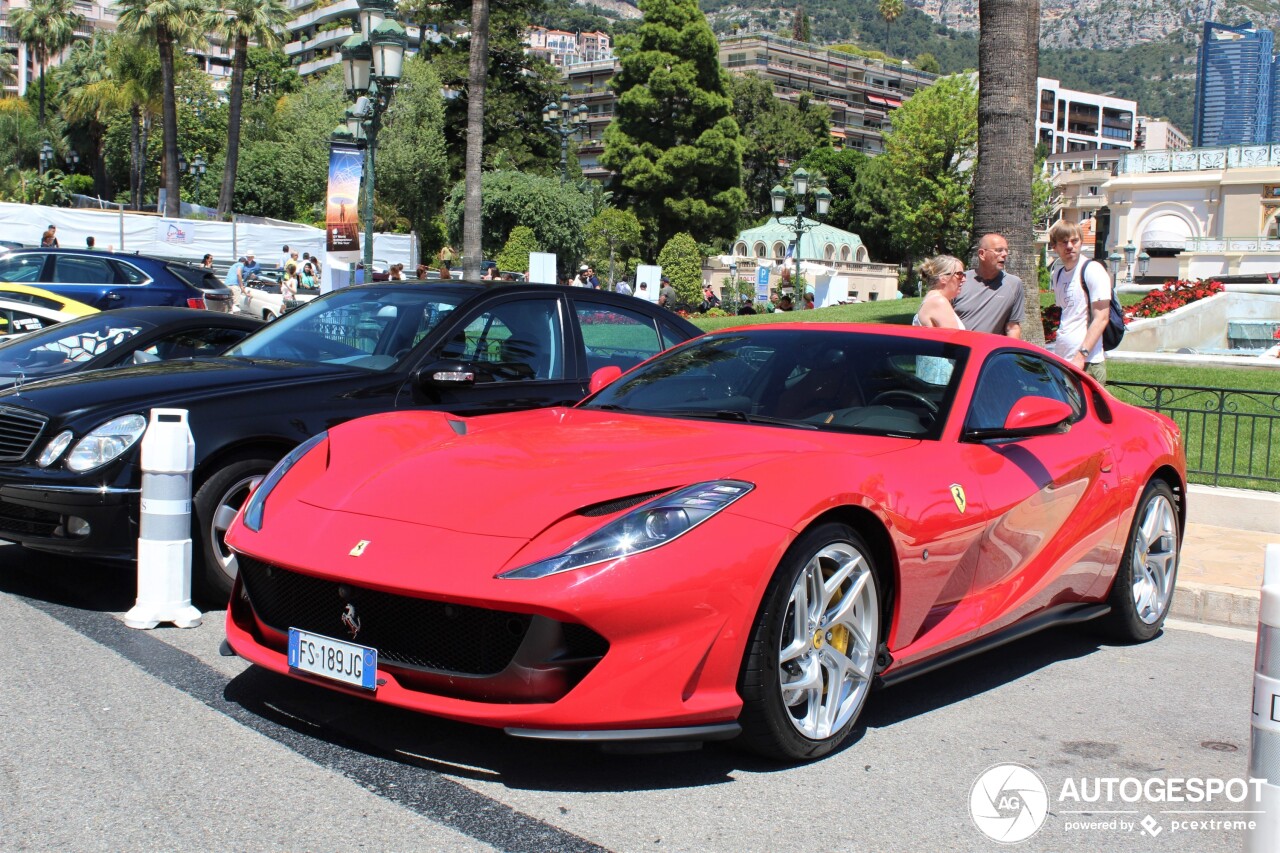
{"x": 1113, "y": 23}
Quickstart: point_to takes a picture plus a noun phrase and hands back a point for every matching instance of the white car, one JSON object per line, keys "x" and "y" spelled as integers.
{"x": 17, "y": 318}
{"x": 265, "y": 301}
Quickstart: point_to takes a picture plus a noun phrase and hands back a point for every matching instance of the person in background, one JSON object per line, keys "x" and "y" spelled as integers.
{"x": 396, "y": 273}
{"x": 808, "y": 301}
{"x": 593, "y": 281}
{"x": 308, "y": 280}
{"x": 667, "y": 294}
{"x": 251, "y": 266}
{"x": 49, "y": 239}
{"x": 359, "y": 276}
{"x": 623, "y": 287}
{"x": 206, "y": 262}
{"x": 421, "y": 272}
{"x": 784, "y": 303}
{"x": 991, "y": 300}
{"x": 444, "y": 271}
{"x": 943, "y": 277}
{"x": 583, "y": 279}
{"x": 643, "y": 292}
{"x": 89, "y": 243}
{"x": 1082, "y": 289}
{"x": 284, "y": 257}
{"x": 746, "y": 308}
{"x": 234, "y": 280}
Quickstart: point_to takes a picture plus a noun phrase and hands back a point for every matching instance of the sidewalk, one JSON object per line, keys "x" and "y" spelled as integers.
{"x": 1220, "y": 574}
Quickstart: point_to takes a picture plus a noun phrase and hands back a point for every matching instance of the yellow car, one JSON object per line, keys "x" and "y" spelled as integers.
{"x": 45, "y": 299}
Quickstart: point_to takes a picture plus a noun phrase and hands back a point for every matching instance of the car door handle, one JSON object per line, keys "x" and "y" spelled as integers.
{"x": 1108, "y": 461}
{"x": 114, "y": 297}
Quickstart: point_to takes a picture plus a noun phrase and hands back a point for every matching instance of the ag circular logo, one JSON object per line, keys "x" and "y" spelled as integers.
{"x": 1009, "y": 803}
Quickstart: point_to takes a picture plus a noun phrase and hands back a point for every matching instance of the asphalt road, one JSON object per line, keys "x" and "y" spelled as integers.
{"x": 117, "y": 739}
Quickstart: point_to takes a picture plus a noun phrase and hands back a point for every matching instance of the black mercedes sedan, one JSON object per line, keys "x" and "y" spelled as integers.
{"x": 120, "y": 338}
{"x": 69, "y": 455}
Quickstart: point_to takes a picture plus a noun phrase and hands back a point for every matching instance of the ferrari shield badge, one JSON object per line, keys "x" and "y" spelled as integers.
{"x": 957, "y": 495}
{"x": 364, "y": 543}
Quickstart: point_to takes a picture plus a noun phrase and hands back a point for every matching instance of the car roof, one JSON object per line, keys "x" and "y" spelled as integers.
{"x": 166, "y": 313}
{"x": 97, "y": 253}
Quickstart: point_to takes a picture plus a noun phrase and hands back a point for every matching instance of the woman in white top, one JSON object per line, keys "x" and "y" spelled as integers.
{"x": 942, "y": 276}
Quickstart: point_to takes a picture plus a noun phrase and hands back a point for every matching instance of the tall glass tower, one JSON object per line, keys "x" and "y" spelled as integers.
{"x": 1235, "y": 88}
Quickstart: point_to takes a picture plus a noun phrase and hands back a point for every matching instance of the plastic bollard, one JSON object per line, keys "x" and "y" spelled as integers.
{"x": 1264, "y": 746}
{"x": 164, "y": 537}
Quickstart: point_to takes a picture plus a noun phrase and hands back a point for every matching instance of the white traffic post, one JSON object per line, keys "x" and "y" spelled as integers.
{"x": 1264, "y": 746}
{"x": 164, "y": 539}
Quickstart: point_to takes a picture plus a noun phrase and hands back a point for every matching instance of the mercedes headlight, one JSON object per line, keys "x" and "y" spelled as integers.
{"x": 105, "y": 443}
{"x": 257, "y": 503}
{"x": 644, "y": 528}
{"x": 54, "y": 448}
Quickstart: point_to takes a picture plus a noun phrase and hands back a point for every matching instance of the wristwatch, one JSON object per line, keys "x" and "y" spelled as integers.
{"x": 1084, "y": 352}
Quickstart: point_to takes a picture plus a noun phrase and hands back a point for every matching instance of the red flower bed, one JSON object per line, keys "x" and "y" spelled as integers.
{"x": 1173, "y": 295}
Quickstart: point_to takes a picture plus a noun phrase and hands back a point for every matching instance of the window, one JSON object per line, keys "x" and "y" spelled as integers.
{"x": 15, "y": 321}
{"x": 779, "y": 249}
{"x": 1008, "y": 377}
{"x": 829, "y": 252}
{"x": 759, "y": 250}
{"x": 22, "y": 268}
{"x": 740, "y": 249}
{"x": 70, "y": 269}
{"x": 520, "y": 340}
{"x": 616, "y": 337}
{"x": 844, "y": 253}
{"x": 194, "y": 343}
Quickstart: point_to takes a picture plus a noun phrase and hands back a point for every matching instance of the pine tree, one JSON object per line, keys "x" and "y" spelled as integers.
{"x": 674, "y": 144}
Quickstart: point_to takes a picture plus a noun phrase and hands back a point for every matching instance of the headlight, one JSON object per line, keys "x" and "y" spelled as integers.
{"x": 106, "y": 443}
{"x": 646, "y": 527}
{"x": 256, "y": 505}
{"x": 54, "y": 449}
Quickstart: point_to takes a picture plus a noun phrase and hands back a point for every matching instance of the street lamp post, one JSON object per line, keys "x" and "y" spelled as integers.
{"x": 72, "y": 158}
{"x": 1130, "y": 252}
{"x": 46, "y": 156}
{"x": 565, "y": 121}
{"x": 372, "y": 62}
{"x": 1113, "y": 262}
{"x": 799, "y": 191}
{"x": 1144, "y": 263}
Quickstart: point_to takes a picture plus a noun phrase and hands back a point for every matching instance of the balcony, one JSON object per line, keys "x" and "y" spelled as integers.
{"x": 1230, "y": 245}
{"x": 1201, "y": 159}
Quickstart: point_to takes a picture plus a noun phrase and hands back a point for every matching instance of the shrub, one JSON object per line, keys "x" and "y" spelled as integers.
{"x": 1173, "y": 295}
{"x": 515, "y": 255}
{"x": 681, "y": 261}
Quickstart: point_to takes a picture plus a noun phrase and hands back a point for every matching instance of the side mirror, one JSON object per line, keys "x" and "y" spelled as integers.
{"x": 448, "y": 374}
{"x": 143, "y": 357}
{"x": 603, "y": 377}
{"x": 1029, "y": 416}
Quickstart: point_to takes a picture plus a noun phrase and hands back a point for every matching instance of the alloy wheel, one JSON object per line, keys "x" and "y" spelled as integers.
{"x": 1155, "y": 559}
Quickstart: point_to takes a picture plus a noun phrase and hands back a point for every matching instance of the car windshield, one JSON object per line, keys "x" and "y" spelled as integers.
{"x": 369, "y": 327}
{"x": 842, "y": 381}
{"x": 74, "y": 341}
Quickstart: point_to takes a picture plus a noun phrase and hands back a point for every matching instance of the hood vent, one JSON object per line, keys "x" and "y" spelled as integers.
{"x": 618, "y": 504}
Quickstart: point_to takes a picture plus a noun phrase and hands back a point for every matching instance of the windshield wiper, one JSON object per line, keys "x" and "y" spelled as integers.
{"x": 734, "y": 415}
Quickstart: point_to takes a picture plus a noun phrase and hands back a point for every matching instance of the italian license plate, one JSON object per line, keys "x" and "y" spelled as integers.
{"x": 341, "y": 661}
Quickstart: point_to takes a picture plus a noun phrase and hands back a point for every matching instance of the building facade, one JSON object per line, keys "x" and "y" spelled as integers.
{"x": 1160, "y": 134}
{"x": 1068, "y": 120}
{"x": 562, "y": 48}
{"x": 1236, "y": 87}
{"x": 317, "y": 31}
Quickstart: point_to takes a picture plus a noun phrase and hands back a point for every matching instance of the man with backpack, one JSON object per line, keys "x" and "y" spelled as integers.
{"x": 1082, "y": 290}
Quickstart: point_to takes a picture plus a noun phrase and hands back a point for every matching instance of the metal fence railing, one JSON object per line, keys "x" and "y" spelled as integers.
{"x": 1232, "y": 436}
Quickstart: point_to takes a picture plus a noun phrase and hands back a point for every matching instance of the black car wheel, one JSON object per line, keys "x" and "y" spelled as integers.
{"x": 811, "y": 659}
{"x": 1143, "y": 588}
{"x": 215, "y": 505}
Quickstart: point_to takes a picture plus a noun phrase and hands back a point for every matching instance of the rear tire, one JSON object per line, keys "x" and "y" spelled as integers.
{"x": 811, "y": 658}
{"x": 1143, "y": 588}
{"x": 215, "y": 505}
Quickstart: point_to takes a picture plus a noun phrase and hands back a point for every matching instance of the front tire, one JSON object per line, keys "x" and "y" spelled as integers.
{"x": 214, "y": 507}
{"x": 811, "y": 658}
{"x": 1143, "y": 588}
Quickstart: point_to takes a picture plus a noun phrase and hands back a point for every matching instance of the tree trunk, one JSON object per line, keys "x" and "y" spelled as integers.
{"x": 1006, "y": 140}
{"x": 169, "y": 130}
{"x": 477, "y": 77}
{"x": 40, "y": 59}
{"x": 236, "y": 96}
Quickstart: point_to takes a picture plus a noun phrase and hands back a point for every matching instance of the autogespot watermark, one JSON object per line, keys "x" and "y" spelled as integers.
{"x": 1010, "y": 803}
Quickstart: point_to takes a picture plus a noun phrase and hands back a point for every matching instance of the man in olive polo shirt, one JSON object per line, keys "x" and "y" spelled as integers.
{"x": 990, "y": 299}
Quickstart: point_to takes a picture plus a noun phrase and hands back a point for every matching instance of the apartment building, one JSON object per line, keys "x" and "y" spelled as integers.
{"x": 1160, "y": 134}
{"x": 318, "y": 29}
{"x": 1082, "y": 121}
{"x": 562, "y": 48}
{"x": 1237, "y": 87}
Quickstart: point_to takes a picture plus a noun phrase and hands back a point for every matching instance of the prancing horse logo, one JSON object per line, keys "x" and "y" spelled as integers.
{"x": 351, "y": 620}
{"x": 957, "y": 495}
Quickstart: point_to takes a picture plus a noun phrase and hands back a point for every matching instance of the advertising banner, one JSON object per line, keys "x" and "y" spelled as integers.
{"x": 342, "y": 215}
{"x": 174, "y": 231}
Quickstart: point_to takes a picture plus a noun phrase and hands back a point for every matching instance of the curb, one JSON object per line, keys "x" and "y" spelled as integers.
{"x": 1214, "y": 604}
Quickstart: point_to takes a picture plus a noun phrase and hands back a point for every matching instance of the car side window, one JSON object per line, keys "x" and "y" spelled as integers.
{"x": 521, "y": 338}
{"x": 616, "y": 336}
{"x": 14, "y": 321}
{"x": 131, "y": 274}
{"x": 69, "y": 269}
{"x": 22, "y": 268}
{"x": 1009, "y": 376}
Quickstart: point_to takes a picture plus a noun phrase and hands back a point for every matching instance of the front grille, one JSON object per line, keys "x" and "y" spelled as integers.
{"x": 15, "y": 518}
{"x": 19, "y": 431}
{"x": 413, "y": 632}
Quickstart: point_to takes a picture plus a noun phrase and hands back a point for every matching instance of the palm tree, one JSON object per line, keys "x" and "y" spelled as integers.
{"x": 45, "y": 27}
{"x": 90, "y": 96}
{"x": 477, "y": 77}
{"x": 1006, "y": 139}
{"x": 239, "y": 22}
{"x": 890, "y": 10}
{"x": 168, "y": 24}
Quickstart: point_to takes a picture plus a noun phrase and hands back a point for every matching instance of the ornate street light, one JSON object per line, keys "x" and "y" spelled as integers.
{"x": 46, "y": 156}
{"x": 1113, "y": 263}
{"x": 1130, "y": 252}
{"x": 198, "y": 167}
{"x": 1144, "y": 263}
{"x": 72, "y": 158}
{"x": 565, "y": 120}
{"x": 372, "y": 62}
{"x": 800, "y": 180}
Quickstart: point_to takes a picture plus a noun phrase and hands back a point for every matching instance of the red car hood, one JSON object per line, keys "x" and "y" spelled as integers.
{"x": 514, "y": 475}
